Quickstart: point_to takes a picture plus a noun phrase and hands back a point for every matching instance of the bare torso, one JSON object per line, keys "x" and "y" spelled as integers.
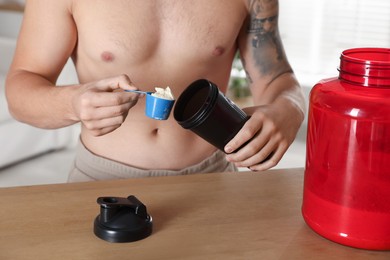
{"x": 156, "y": 43}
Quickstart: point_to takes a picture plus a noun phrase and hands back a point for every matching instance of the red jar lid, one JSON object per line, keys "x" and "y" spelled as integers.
{"x": 366, "y": 66}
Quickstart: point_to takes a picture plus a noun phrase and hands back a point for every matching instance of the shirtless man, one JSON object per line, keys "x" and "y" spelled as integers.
{"x": 119, "y": 45}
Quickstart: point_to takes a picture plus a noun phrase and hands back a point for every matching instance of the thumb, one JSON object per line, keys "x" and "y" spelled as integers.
{"x": 119, "y": 82}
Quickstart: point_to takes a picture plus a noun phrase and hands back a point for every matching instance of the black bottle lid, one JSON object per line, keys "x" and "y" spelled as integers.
{"x": 122, "y": 220}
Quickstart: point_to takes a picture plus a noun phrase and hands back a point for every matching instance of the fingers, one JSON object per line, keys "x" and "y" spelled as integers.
{"x": 248, "y": 131}
{"x": 104, "y": 120}
{"x": 107, "y": 99}
{"x": 265, "y": 144}
{"x": 267, "y": 157}
{"x": 100, "y": 113}
{"x": 104, "y": 130}
{"x": 271, "y": 161}
{"x": 100, "y": 108}
{"x": 103, "y": 126}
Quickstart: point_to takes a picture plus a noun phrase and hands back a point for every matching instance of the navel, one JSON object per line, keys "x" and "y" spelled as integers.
{"x": 218, "y": 51}
{"x": 107, "y": 56}
{"x": 154, "y": 132}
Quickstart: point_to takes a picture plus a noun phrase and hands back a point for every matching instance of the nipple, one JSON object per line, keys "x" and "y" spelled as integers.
{"x": 107, "y": 56}
{"x": 218, "y": 51}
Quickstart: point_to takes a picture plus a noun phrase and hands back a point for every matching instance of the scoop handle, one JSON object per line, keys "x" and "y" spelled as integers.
{"x": 137, "y": 91}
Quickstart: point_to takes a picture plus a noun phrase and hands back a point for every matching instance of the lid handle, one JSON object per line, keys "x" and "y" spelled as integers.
{"x": 109, "y": 207}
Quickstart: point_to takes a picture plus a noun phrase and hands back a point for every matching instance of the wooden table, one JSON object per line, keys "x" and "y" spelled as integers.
{"x": 242, "y": 215}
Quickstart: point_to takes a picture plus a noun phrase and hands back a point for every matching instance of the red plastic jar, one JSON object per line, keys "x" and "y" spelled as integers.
{"x": 347, "y": 175}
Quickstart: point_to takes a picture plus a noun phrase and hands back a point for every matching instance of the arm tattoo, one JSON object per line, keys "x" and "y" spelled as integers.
{"x": 267, "y": 47}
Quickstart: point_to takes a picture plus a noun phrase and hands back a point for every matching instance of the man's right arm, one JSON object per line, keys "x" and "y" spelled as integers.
{"x": 46, "y": 41}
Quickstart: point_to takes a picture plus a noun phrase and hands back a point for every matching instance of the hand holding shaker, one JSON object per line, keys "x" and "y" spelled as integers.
{"x": 347, "y": 177}
{"x": 206, "y": 111}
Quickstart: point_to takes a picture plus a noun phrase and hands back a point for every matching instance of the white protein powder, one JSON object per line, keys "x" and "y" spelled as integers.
{"x": 163, "y": 93}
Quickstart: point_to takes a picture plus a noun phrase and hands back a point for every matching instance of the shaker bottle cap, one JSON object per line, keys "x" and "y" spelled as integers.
{"x": 122, "y": 219}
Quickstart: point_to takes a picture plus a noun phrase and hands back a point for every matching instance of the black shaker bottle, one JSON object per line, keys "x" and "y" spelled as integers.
{"x": 206, "y": 111}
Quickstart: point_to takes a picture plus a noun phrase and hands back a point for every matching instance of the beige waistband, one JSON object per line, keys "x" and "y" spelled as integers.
{"x": 90, "y": 167}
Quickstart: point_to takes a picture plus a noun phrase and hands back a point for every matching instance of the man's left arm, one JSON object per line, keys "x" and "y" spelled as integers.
{"x": 279, "y": 104}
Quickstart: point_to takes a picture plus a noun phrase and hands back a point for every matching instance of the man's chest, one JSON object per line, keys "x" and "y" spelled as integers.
{"x": 142, "y": 29}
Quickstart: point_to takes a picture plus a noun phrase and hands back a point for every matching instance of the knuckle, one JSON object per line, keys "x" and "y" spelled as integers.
{"x": 119, "y": 120}
{"x": 279, "y": 138}
{"x": 90, "y": 126}
{"x": 117, "y": 112}
{"x": 259, "y": 116}
{"x": 272, "y": 162}
{"x": 117, "y": 100}
{"x": 86, "y": 100}
{"x": 273, "y": 127}
{"x": 248, "y": 132}
{"x": 253, "y": 149}
{"x": 85, "y": 116}
{"x": 96, "y": 133}
{"x": 284, "y": 144}
{"x": 124, "y": 78}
